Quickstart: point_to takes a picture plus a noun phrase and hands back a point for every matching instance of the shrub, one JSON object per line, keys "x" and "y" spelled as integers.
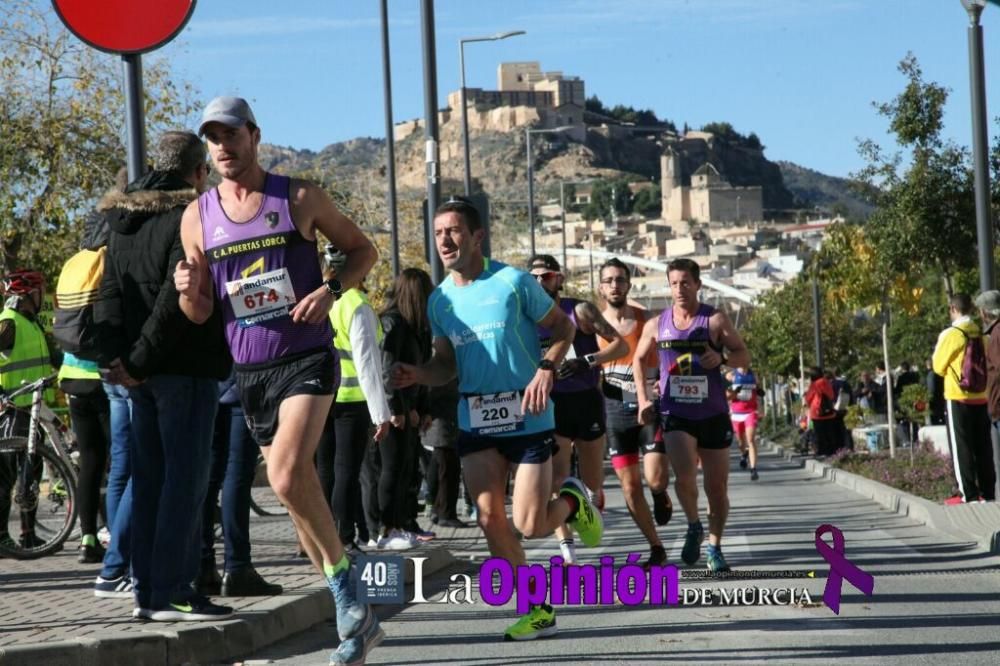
{"x": 930, "y": 476}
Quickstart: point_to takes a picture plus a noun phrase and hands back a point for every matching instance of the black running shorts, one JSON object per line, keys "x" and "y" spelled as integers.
{"x": 579, "y": 415}
{"x": 715, "y": 432}
{"x": 263, "y": 386}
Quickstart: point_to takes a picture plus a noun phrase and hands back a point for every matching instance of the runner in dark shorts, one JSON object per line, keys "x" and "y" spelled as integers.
{"x": 576, "y": 393}
{"x": 627, "y": 438}
{"x": 691, "y": 340}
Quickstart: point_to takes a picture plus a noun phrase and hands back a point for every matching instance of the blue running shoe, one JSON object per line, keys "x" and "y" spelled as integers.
{"x": 716, "y": 562}
{"x": 354, "y": 650}
{"x": 353, "y": 618}
{"x": 692, "y": 543}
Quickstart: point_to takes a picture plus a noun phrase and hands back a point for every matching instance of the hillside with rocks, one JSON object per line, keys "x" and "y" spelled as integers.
{"x": 499, "y": 165}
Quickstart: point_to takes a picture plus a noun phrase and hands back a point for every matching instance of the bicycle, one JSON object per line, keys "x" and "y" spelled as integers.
{"x": 37, "y": 477}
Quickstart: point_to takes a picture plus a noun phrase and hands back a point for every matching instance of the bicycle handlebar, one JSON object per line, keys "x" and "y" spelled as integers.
{"x": 31, "y": 387}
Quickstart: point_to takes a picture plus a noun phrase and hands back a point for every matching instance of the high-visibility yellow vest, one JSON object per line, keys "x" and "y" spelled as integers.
{"x": 28, "y": 360}
{"x": 77, "y": 368}
{"x": 340, "y": 316}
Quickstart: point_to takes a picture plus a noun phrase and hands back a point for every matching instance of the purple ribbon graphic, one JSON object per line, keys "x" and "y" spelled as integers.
{"x": 840, "y": 568}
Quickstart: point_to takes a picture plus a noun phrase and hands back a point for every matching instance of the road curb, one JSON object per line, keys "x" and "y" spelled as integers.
{"x": 975, "y": 522}
{"x": 270, "y": 620}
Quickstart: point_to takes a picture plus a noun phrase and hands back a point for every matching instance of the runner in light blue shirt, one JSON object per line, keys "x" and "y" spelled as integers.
{"x": 483, "y": 317}
{"x": 495, "y": 341}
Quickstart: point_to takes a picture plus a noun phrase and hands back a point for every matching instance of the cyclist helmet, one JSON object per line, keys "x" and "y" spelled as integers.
{"x": 335, "y": 259}
{"x": 22, "y": 282}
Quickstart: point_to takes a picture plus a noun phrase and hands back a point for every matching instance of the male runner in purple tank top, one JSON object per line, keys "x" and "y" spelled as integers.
{"x": 579, "y": 406}
{"x": 691, "y": 339}
{"x": 251, "y": 244}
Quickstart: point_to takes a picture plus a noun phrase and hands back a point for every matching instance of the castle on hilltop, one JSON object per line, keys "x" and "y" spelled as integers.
{"x": 525, "y": 96}
{"x": 528, "y": 97}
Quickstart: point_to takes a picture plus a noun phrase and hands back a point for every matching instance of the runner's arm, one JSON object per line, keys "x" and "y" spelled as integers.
{"x": 191, "y": 276}
{"x": 312, "y": 205}
{"x": 312, "y": 211}
{"x": 725, "y": 337}
{"x": 646, "y": 342}
{"x": 590, "y": 320}
{"x": 536, "y": 393}
{"x": 435, "y": 372}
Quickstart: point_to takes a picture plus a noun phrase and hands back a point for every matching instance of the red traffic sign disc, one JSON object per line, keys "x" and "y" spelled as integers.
{"x": 125, "y": 26}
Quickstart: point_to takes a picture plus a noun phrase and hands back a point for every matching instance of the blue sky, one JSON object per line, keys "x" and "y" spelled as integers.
{"x": 800, "y": 73}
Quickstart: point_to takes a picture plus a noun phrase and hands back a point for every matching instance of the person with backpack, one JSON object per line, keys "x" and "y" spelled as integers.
{"x": 960, "y": 357}
{"x": 819, "y": 399}
{"x": 89, "y": 404}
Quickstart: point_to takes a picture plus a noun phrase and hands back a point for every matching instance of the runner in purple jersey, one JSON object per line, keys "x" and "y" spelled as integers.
{"x": 251, "y": 244}
{"x": 579, "y": 406}
{"x": 691, "y": 339}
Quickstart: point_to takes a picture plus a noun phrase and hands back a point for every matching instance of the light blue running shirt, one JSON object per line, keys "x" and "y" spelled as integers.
{"x": 491, "y": 323}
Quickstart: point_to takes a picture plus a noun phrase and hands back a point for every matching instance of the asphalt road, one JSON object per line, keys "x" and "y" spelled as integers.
{"x": 936, "y": 601}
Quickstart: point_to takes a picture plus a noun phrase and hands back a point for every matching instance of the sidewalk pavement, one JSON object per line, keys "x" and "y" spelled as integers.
{"x": 49, "y": 615}
{"x": 967, "y": 522}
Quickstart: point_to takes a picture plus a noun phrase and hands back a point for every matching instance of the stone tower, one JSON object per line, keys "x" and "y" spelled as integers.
{"x": 671, "y": 190}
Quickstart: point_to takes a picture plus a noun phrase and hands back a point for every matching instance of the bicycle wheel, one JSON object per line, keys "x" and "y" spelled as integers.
{"x": 263, "y": 501}
{"x": 37, "y": 500}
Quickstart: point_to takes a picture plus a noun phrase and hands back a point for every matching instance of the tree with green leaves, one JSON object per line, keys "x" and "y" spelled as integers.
{"x": 925, "y": 211}
{"x": 62, "y": 122}
{"x": 608, "y": 194}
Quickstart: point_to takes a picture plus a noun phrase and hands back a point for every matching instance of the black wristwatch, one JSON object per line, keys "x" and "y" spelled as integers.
{"x": 546, "y": 364}
{"x": 334, "y": 287}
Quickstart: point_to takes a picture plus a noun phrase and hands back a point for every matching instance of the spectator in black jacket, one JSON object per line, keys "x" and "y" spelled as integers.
{"x": 171, "y": 367}
{"x": 407, "y": 340}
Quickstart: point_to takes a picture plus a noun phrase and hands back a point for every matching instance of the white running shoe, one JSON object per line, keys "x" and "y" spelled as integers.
{"x": 397, "y": 540}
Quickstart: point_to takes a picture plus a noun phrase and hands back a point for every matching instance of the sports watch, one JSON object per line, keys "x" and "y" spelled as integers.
{"x": 546, "y": 364}
{"x": 591, "y": 359}
{"x": 334, "y": 287}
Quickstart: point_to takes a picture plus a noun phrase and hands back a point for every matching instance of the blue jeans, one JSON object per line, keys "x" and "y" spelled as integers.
{"x": 119, "y": 491}
{"x": 234, "y": 461}
{"x": 172, "y": 419}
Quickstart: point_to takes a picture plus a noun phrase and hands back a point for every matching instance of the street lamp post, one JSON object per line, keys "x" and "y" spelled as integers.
{"x": 390, "y": 146}
{"x": 977, "y": 81}
{"x": 465, "y": 111}
{"x": 528, "y": 131}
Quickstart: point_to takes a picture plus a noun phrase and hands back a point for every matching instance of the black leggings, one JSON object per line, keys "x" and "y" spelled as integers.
{"x": 338, "y": 462}
{"x": 398, "y": 452}
{"x": 90, "y": 416}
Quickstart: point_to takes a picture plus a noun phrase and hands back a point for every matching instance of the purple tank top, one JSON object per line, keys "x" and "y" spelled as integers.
{"x": 686, "y": 389}
{"x": 583, "y": 344}
{"x": 261, "y": 267}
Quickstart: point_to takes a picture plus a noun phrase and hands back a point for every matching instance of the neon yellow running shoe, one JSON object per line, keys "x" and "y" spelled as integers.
{"x": 538, "y": 623}
{"x": 587, "y": 522}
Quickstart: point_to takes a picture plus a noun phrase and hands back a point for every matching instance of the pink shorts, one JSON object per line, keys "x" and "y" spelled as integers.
{"x": 743, "y": 421}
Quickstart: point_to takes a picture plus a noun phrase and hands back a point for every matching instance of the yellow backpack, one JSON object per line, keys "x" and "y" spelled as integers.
{"x": 76, "y": 293}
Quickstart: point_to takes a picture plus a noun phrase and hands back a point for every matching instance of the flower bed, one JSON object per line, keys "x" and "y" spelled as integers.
{"x": 930, "y": 476}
